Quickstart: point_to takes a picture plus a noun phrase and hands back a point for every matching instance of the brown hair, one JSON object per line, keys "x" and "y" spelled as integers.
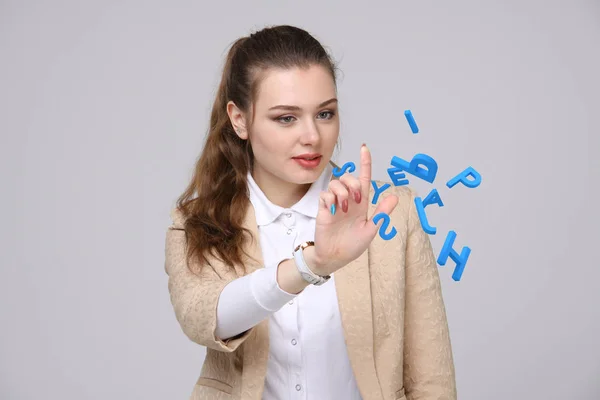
{"x": 214, "y": 218}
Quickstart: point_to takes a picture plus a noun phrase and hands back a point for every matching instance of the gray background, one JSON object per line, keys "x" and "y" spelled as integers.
{"x": 103, "y": 110}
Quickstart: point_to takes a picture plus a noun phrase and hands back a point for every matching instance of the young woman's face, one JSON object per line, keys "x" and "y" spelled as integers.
{"x": 295, "y": 113}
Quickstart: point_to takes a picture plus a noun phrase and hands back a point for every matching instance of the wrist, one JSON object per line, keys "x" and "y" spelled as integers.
{"x": 312, "y": 262}
{"x": 288, "y": 277}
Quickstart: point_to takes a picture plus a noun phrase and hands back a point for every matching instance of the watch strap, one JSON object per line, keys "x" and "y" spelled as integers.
{"x": 306, "y": 273}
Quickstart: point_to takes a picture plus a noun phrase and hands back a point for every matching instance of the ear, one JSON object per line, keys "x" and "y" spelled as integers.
{"x": 238, "y": 120}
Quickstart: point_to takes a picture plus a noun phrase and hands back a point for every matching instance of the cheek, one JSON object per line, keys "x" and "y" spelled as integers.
{"x": 331, "y": 134}
{"x": 268, "y": 143}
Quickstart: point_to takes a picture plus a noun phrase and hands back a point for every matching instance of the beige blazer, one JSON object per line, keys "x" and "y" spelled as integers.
{"x": 391, "y": 307}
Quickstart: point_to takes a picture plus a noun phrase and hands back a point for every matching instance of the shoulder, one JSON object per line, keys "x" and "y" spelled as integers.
{"x": 177, "y": 218}
{"x": 405, "y": 213}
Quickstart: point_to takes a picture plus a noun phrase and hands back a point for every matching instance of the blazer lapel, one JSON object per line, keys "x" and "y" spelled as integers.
{"x": 353, "y": 286}
{"x": 256, "y": 347}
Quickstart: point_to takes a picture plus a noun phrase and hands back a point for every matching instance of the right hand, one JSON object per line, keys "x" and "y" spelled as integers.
{"x": 343, "y": 237}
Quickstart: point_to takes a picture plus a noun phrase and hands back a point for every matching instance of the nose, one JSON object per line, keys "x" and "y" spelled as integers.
{"x": 310, "y": 134}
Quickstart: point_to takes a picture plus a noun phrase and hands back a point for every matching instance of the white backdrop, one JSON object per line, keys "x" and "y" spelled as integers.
{"x": 103, "y": 110}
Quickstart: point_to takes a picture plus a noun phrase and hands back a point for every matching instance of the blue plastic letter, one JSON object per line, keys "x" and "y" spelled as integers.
{"x": 384, "y": 225}
{"x": 378, "y": 191}
{"x": 411, "y": 121}
{"x": 433, "y": 197}
{"x": 397, "y": 176}
{"x": 414, "y": 167}
{"x": 462, "y": 177}
{"x": 460, "y": 260}
{"x": 348, "y": 166}
{"x": 423, "y": 218}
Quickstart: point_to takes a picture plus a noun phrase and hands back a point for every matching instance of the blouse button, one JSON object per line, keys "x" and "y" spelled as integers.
{"x": 294, "y": 342}
{"x": 298, "y": 387}
{"x": 289, "y": 231}
{"x": 289, "y": 215}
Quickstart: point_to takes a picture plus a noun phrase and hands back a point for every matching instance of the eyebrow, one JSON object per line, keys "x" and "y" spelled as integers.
{"x": 296, "y": 108}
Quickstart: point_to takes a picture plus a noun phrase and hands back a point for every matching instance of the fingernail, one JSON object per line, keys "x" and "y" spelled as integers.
{"x": 333, "y": 209}
{"x": 357, "y": 197}
{"x": 363, "y": 146}
{"x": 345, "y": 205}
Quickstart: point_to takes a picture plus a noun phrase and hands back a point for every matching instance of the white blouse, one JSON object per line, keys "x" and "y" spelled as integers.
{"x": 308, "y": 358}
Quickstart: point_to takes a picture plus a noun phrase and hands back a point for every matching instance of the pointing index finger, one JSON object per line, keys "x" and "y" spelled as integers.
{"x": 365, "y": 169}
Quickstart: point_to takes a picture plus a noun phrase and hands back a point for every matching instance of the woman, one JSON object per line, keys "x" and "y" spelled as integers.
{"x": 276, "y": 266}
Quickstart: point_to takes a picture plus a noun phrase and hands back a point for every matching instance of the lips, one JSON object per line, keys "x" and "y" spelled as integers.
{"x": 308, "y": 156}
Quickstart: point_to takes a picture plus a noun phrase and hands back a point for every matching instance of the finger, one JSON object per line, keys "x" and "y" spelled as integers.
{"x": 365, "y": 170}
{"x": 326, "y": 200}
{"x": 353, "y": 185}
{"x": 341, "y": 193}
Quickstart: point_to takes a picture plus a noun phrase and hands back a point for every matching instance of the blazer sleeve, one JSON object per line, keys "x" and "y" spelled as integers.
{"x": 428, "y": 362}
{"x": 195, "y": 297}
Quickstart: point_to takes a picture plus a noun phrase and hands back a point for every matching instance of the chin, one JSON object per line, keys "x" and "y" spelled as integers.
{"x": 308, "y": 176}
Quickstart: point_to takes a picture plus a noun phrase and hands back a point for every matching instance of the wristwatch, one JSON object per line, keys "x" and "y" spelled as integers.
{"x": 306, "y": 273}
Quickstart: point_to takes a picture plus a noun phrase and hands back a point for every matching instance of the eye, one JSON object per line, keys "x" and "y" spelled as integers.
{"x": 330, "y": 113}
{"x": 284, "y": 119}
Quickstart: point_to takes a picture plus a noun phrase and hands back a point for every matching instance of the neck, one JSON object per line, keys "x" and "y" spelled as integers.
{"x": 282, "y": 193}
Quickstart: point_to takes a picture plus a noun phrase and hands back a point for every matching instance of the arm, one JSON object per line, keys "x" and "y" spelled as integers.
{"x": 428, "y": 362}
{"x": 248, "y": 300}
{"x": 196, "y": 298}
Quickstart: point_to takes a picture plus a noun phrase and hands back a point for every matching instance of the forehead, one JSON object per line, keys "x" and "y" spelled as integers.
{"x": 302, "y": 87}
